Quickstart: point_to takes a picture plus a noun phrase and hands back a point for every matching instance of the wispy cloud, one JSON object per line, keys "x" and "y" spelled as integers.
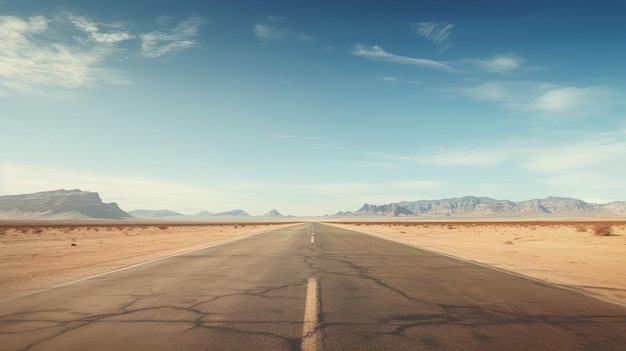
{"x": 588, "y": 154}
{"x": 45, "y": 56}
{"x": 590, "y": 167}
{"x": 285, "y": 136}
{"x": 377, "y": 53}
{"x": 31, "y": 62}
{"x": 498, "y": 63}
{"x": 547, "y": 99}
{"x": 172, "y": 37}
{"x": 390, "y": 80}
{"x": 269, "y": 31}
{"x": 446, "y": 157}
{"x": 437, "y": 32}
{"x": 93, "y": 31}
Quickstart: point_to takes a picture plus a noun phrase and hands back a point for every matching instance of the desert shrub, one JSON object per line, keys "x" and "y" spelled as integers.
{"x": 581, "y": 228}
{"x": 163, "y": 227}
{"x": 601, "y": 229}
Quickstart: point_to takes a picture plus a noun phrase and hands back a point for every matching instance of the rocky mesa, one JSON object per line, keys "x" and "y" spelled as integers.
{"x": 59, "y": 204}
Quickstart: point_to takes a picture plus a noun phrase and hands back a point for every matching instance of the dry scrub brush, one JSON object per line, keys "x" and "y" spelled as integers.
{"x": 601, "y": 229}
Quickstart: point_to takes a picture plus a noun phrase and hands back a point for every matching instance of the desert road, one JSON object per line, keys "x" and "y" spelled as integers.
{"x": 310, "y": 287}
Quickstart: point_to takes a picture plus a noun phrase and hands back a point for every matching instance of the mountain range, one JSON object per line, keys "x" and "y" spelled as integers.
{"x": 170, "y": 214}
{"x": 76, "y": 204}
{"x": 471, "y": 205}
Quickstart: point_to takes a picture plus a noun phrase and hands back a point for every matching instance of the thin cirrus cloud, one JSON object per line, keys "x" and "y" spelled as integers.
{"x": 94, "y": 33}
{"x": 172, "y": 37}
{"x": 68, "y": 51}
{"x": 269, "y": 31}
{"x": 376, "y": 53}
{"x": 498, "y": 64}
{"x": 390, "y": 80}
{"x": 596, "y": 161}
{"x": 443, "y": 157}
{"x": 437, "y": 32}
{"x": 595, "y": 152}
{"x": 545, "y": 98}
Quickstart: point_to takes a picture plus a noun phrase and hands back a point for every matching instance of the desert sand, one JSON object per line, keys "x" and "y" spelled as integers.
{"x": 39, "y": 257}
{"x": 565, "y": 253}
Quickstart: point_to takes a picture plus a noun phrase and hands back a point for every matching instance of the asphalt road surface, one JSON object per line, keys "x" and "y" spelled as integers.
{"x": 310, "y": 287}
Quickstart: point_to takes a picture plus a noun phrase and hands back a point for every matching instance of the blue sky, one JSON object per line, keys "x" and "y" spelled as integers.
{"x": 312, "y": 107}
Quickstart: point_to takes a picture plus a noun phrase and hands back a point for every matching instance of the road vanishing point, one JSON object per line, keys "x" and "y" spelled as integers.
{"x": 307, "y": 287}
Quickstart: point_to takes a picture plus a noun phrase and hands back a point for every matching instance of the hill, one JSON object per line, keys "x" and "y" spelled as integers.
{"x": 59, "y": 204}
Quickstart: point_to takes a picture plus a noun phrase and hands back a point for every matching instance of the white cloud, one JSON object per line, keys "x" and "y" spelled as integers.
{"x": 377, "y": 53}
{"x": 498, "y": 64}
{"x": 573, "y": 99}
{"x": 29, "y": 62}
{"x": 94, "y": 34}
{"x": 285, "y": 136}
{"x": 597, "y": 152}
{"x": 171, "y": 39}
{"x": 267, "y": 32}
{"x": 591, "y": 167}
{"x": 390, "y": 80}
{"x": 46, "y": 56}
{"x": 546, "y": 99}
{"x": 437, "y": 32}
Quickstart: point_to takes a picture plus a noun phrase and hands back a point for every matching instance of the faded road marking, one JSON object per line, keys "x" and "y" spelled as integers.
{"x": 311, "y": 338}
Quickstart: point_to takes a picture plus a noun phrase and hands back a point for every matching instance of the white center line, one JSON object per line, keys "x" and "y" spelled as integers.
{"x": 312, "y": 239}
{"x": 311, "y": 338}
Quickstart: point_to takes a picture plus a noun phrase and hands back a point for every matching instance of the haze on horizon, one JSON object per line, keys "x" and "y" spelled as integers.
{"x": 312, "y": 107}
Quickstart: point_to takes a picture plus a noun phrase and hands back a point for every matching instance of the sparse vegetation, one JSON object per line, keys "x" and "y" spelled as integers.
{"x": 601, "y": 229}
{"x": 581, "y": 228}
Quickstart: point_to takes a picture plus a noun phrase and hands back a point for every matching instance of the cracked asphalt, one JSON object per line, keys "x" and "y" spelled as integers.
{"x": 250, "y": 295}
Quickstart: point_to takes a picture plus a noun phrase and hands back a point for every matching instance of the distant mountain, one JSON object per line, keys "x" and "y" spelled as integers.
{"x": 154, "y": 214}
{"x": 273, "y": 213}
{"x": 174, "y": 214}
{"x": 488, "y": 206}
{"x": 233, "y": 213}
{"x": 59, "y": 204}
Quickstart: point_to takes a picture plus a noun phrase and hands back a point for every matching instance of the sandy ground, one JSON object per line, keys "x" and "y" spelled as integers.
{"x": 565, "y": 253}
{"x": 39, "y": 257}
